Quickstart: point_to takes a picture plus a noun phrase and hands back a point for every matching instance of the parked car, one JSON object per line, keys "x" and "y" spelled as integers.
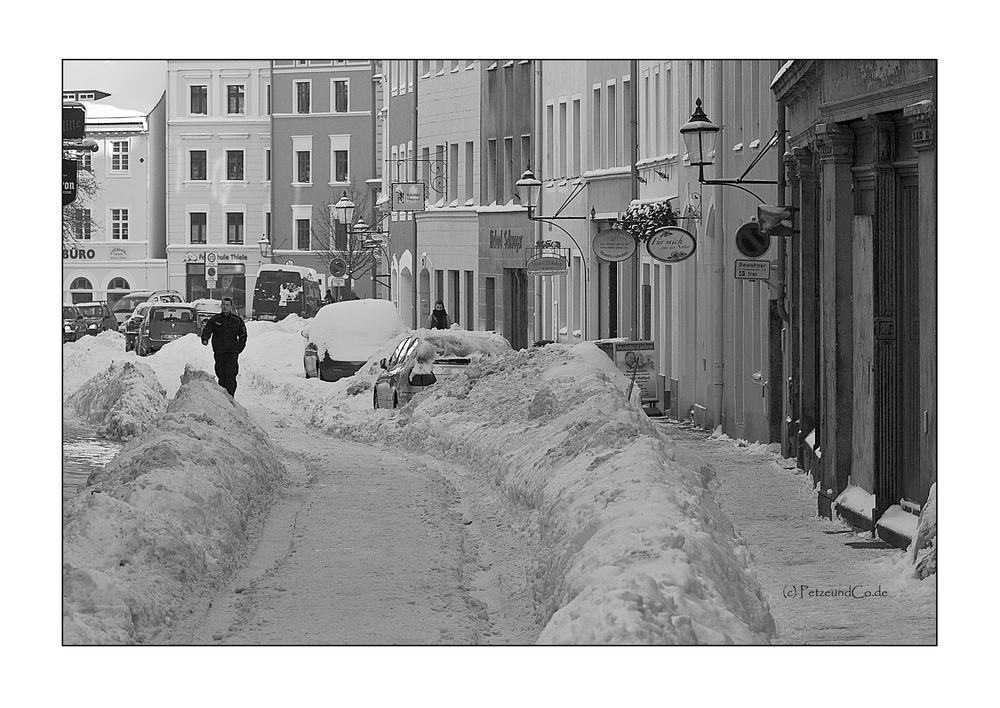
{"x": 98, "y": 317}
{"x": 125, "y": 306}
{"x": 130, "y": 328}
{"x": 207, "y": 308}
{"x": 74, "y": 324}
{"x": 163, "y": 323}
{"x": 429, "y": 356}
{"x": 344, "y": 335}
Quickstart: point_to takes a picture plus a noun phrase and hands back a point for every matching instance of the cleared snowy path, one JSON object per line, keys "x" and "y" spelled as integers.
{"x": 797, "y": 552}
{"x": 369, "y": 547}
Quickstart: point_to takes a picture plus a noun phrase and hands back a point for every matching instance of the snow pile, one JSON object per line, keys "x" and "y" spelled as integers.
{"x": 923, "y": 550}
{"x": 170, "y": 516}
{"x": 457, "y": 342}
{"x": 121, "y": 401}
{"x": 635, "y": 550}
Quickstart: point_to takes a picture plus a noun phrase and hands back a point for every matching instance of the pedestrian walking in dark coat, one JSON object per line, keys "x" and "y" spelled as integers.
{"x": 439, "y": 318}
{"x": 228, "y": 333}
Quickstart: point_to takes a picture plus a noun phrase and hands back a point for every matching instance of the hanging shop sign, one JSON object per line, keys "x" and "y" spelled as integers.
{"x": 68, "y": 181}
{"x": 614, "y": 245}
{"x": 547, "y": 265}
{"x": 671, "y": 245}
{"x": 408, "y": 196}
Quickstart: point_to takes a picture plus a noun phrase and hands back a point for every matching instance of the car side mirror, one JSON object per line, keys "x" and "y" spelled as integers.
{"x": 382, "y": 363}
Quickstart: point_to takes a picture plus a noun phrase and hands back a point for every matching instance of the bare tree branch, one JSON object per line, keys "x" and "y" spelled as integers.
{"x": 74, "y": 219}
{"x": 330, "y": 238}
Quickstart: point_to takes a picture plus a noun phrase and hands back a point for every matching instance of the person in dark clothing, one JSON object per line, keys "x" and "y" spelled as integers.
{"x": 439, "y": 318}
{"x": 329, "y": 299}
{"x": 228, "y": 333}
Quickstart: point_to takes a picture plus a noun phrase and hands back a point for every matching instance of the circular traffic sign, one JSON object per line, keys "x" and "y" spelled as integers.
{"x": 750, "y": 241}
{"x": 211, "y": 257}
{"x": 338, "y": 267}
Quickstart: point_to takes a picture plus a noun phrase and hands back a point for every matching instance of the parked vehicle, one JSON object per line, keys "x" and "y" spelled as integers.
{"x": 98, "y": 317}
{"x": 345, "y": 335}
{"x": 206, "y": 308}
{"x": 124, "y": 307}
{"x": 427, "y": 357}
{"x": 282, "y": 290}
{"x": 163, "y": 323}
{"x": 74, "y": 324}
{"x": 130, "y": 328}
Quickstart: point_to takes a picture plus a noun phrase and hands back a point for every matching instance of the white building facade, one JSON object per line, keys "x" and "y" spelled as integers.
{"x": 119, "y": 236}
{"x": 218, "y": 175}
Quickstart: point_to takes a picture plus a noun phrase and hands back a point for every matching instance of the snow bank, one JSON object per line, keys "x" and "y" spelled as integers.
{"x": 635, "y": 550}
{"x": 351, "y": 330}
{"x": 121, "y": 401}
{"x": 923, "y": 551}
{"x": 170, "y": 516}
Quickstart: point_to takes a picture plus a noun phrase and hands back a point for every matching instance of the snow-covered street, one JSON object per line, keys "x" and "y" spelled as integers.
{"x": 523, "y": 501}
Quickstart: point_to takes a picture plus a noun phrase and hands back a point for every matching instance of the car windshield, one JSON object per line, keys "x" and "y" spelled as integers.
{"x": 172, "y": 314}
{"x": 128, "y": 303}
{"x": 90, "y": 310}
{"x": 69, "y": 313}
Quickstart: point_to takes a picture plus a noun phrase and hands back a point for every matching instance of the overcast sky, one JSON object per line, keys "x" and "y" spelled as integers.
{"x": 133, "y": 84}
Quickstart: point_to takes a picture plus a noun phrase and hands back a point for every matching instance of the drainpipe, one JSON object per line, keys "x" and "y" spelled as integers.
{"x": 416, "y": 152}
{"x": 718, "y": 267}
{"x": 782, "y": 309}
{"x": 536, "y": 149}
{"x": 634, "y": 158}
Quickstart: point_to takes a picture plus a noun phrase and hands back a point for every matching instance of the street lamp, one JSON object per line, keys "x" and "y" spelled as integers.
{"x": 265, "y": 247}
{"x": 345, "y": 210}
{"x": 700, "y": 135}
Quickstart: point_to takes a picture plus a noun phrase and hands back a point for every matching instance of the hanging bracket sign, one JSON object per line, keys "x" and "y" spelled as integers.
{"x": 614, "y": 245}
{"x": 671, "y": 244}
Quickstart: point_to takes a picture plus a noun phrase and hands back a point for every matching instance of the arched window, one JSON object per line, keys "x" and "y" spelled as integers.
{"x": 81, "y": 290}
{"x": 117, "y": 289}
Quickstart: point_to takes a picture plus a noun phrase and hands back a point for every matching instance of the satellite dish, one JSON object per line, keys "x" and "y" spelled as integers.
{"x": 750, "y": 241}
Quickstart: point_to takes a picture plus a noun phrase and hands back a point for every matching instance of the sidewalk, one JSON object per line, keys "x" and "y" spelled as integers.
{"x": 825, "y": 584}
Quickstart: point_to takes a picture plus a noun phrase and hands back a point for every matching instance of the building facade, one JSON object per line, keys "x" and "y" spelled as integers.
{"x": 119, "y": 237}
{"x": 323, "y": 144}
{"x": 861, "y": 405}
{"x": 218, "y": 175}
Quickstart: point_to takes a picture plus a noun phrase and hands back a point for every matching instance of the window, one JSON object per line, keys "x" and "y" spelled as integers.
{"x": 235, "y": 99}
{"x": 234, "y": 165}
{"x": 267, "y": 165}
{"x": 612, "y": 125}
{"x": 234, "y": 227}
{"x": 491, "y": 172}
{"x": 199, "y": 100}
{"x": 82, "y": 224}
{"x": 470, "y": 290}
{"x": 577, "y": 138}
{"x": 86, "y": 97}
{"x": 301, "y": 96}
{"x": 119, "y": 155}
{"x": 563, "y": 144}
{"x": 199, "y": 165}
{"x": 85, "y": 162}
{"x": 340, "y": 158}
{"x": 452, "y": 172}
{"x": 490, "y": 305}
{"x": 269, "y": 99}
{"x": 302, "y": 234}
{"x": 550, "y": 129}
{"x": 469, "y": 171}
{"x": 199, "y": 227}
{"x": 508, "y": 170}
{"x": 340, "y": 165}
{"x": 340, "y": 104}
{"x": 302, "y": 160}
{"x": 597, "y": 156}
{"x": 119, "y": 224}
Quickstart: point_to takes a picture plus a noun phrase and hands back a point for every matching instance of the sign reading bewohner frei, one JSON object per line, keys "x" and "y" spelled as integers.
{"x": 671, "y": 245}
{"x": 614, "y": 245}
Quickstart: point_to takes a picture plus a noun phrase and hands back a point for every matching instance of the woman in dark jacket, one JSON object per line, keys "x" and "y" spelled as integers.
{"x": 439, "y": 318}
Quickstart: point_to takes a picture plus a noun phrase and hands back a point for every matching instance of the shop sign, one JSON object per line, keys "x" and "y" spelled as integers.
{"x": 506, "y": 239}
{"x": 614, "y": 245}
{"x": 547, "y": 265}
{"x": 671, "y": 245}
{"x": 407, "y": 196}
{"x": 78, "y": 254}
{"x": 118, "y": 253}
{"x": 219, "y": 257}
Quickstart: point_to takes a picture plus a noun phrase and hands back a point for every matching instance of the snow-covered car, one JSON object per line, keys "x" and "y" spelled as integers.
{"x": 344, "y": 335}
{"x": 130, "y": 327}
{"x": 125, "y": 306}
{"x": 98, "y": 317}
{"x": 428, "y": 356}
{"x": 207, "y": 308}
{"x": 74, "y": 325}
{"x": 163, "y": 323}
